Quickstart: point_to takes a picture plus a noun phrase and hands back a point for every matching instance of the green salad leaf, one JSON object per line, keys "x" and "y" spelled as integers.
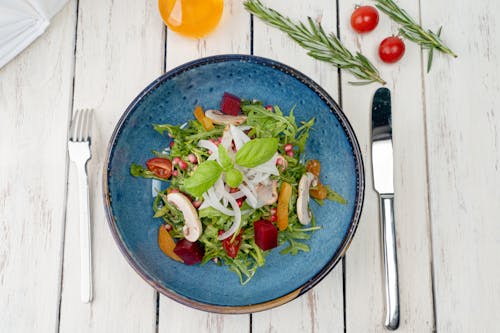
{"x": 234, "y": 177}
{"x": 256, "y": 151}
{"x": 203, "y": 178}
{"x": 225, "y": 160}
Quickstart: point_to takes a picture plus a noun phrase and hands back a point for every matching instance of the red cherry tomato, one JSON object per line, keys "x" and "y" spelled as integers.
{"x": 364, "y": 19}
{"x": 391, "y": 49}
{"x": 161, "y": 167}
{"x": 231, "y": 248}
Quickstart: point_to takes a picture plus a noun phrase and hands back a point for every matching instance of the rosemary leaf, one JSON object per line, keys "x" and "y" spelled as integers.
{"x": 412, "y": 31}
{"x": 319, "y": 44}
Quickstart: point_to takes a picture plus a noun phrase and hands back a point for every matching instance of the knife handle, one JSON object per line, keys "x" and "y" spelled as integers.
{"x": 390, "y": 262}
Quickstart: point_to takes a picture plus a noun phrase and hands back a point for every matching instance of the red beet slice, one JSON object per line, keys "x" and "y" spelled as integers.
{"x": 191, "y": 253}
{"x": 230, "y": 104}
{"x": 266, "y": 234}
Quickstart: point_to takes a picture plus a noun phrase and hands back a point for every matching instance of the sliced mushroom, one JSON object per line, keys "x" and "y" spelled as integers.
{"x": 303, "y": 213}
{"x": 192, "y": 225}
{"x": 220, "y": 118}
{"x": 267, "y": 194}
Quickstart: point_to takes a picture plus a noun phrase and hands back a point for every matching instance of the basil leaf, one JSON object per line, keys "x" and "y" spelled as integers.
{"x": 225, "y": 160}
{"x": 234, "y": 177}
{"x": 203, "y": 178}
{"x": 256, "y": 151}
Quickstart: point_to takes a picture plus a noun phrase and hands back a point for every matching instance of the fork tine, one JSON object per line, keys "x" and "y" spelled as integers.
{"x": 74, "y": 126}
{"x": 87, "y": 124}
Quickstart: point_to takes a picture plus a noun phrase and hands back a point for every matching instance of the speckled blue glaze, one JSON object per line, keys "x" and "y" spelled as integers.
{"x": 171, "y": 99}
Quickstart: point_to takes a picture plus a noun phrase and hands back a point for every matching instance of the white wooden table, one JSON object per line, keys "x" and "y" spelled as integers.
{"x": 100, "y": 53}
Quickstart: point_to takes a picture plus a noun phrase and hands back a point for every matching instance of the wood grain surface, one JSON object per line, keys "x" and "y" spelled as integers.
{"x": 101, "y": 53}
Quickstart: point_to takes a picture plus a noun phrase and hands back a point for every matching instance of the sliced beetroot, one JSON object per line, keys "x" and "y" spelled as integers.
{"x": 230, "y": 104}
{"x": 266, "y": 234}
{"x": 191, "y": 253}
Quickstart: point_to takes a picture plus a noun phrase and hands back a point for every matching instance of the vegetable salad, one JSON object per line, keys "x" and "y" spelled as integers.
{"x": 238, "y": 186}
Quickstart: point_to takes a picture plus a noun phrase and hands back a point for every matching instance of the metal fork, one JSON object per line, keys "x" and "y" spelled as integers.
{"x": 79, "y": 153}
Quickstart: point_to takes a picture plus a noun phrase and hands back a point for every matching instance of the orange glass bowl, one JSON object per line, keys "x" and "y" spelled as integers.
{"x": 191, "y": 18}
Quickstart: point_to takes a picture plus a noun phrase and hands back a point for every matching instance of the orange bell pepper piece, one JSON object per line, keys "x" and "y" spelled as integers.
{"x": 167, "y": 244}
{"x": 204, "y": 120}
{"x": 282, "y": 210}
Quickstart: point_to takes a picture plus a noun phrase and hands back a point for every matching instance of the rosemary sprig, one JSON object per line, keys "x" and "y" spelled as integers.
{"x": 412, "y": 31}
{"x": 321, "y": 46}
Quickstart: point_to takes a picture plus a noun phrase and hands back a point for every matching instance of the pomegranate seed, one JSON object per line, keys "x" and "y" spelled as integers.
{"x": 192, "y": 158}
{"x": 215, "y": 260}
{"x": 168, "y": 227}
{"x": 183, "y": 165}
{"x": 274, "y": 218}
{"x": 219, "y": 140}
{"x": 171, "y": 144}
{"x": 269, "y": 107}
{"x": 290, "y": 153}
{"x": 197, "y": 203}
{"x": 288, "y": 147}
{"x": 174, "y": 190}
{"x": 273, "y": 211}
{"x": 175, "y": 160}
{"x": 175, "y": 173}
{"x": 240, "y": 202}
{"x": 233, "y": 189}
{"x": 279, "y": 161}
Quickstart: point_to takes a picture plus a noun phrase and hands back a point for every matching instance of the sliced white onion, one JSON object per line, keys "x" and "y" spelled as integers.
{"x": 210, "y": 146}
{"x": 251, "y": 198}
{"x": 227, "y": 138}
{"x": 204, "y": 204}
{"x": 239, "y": 137}
{"x": 237, "y": 194}
{"x": 237, "y": 218}
{"x": 215, "y": 202}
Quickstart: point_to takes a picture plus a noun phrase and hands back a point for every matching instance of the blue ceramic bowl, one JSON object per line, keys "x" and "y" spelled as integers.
{"x": 171, "y": 99}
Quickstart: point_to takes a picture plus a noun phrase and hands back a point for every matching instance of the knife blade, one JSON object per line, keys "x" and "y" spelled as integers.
{"x": 383, "y": 182}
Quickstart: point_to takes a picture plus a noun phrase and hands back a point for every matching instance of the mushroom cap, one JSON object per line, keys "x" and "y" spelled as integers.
{"x": 305, "y": 183}
{"x": 267, "y": 194}
{"x": 220, "y": 118}
{"x": 192, "y": 225}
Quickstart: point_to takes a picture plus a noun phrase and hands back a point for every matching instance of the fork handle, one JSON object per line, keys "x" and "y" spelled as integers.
{"x": 85, "y": 236}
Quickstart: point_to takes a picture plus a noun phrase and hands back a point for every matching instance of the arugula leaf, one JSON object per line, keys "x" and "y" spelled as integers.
{"x": 137, "y": 170}
{"x": 334, "y": 196}
{"x": 256, "y": 151}
{"x": 225, "y": 160}
{"x": 203, "y": 178}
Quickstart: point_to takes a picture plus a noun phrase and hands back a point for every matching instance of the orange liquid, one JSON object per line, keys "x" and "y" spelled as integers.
{"x": 192, "y": 18}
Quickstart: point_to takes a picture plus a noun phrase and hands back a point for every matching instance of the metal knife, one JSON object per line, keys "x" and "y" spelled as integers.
{"x": 382, "y": 163}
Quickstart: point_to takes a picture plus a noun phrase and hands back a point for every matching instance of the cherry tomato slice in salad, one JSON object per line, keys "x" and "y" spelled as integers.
{"x": 364, "y": 19}
{"x": 233, "y": 247}
{"x": 391, "y": 49}
{"x": 161, "y": 167}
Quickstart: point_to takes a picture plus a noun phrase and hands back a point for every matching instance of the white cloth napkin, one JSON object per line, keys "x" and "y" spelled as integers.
{"x": 21, "y": 22}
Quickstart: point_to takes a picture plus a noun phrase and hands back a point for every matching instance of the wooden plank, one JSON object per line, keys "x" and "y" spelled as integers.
{"x": 35, "y": 98}
{"x": 231, "y": 36}
{"x": 119, "y": 51}
{"x": 364, "y": 281}
{"x": 464, "y": 155}
{"x": 321, "y": 309}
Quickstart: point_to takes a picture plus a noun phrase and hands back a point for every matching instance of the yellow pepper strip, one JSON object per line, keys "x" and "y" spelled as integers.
{"x": 282, "y": 210}
{"x": 167, "y": 244}
{"x": 205, "y": 121}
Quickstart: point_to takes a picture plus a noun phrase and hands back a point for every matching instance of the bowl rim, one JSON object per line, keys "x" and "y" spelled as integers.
{"x": 358, "y": 205}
